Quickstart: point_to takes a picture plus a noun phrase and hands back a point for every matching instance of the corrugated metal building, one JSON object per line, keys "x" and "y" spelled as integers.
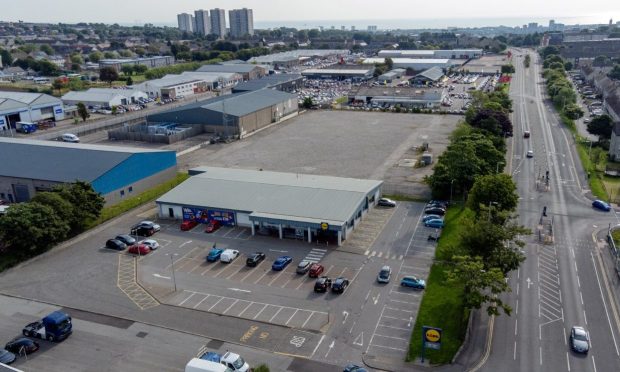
{"x": 28, "y": 166}
{"x": 300, "y": 205}
{"x": 236, "y": 114}
{"x": 29, "y": 107}
{"x": 281, "y": 82}
{"x": 248, "y": 71}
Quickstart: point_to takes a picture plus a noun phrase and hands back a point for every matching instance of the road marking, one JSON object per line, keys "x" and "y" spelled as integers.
{"x": 198, "y": 304}
{"x": 215, "y": 304}
{"x": 386, "y": 347}
{"x": 359, "y": 340}
{"x": 310, "y": 316}
{"x": 514, "y": 353}
{"x": 250, "y": 272}
{"x": 345, "y": 314}
{"x": 567, "y": 362}
{"x": 604, "y": 302}
{"x": 261, "y": 277}
{"x": 235, "y": 272}
{"x": 593, "y": 363}
{"x": 331, "y": 346}
{"x": 393, "y": 327}
{"x": 247, "y": 307}
{"x": 161, "y": 276}
{"x": 274, "y": 315}
{"x": 229, "y": 307}
{"x": 260, "y": 312}
{"x": 317, "y": 346}
{"x": 188, "y": 297}
{"x": 289, "y": 319}
{"x": 276, "y": 277}
{"x": 240, "y": 290}
{"x": 396, "y": 338}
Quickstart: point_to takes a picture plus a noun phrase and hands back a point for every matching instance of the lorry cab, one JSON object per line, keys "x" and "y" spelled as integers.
{"x": 54, "y": 327}
{"x": 235, "y": 362}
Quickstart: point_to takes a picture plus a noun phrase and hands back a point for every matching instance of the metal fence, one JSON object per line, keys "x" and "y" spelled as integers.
{"x": 140, "y": 133}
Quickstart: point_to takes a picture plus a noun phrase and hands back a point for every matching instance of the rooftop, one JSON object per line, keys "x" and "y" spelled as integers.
{"x": 29, "y": 98}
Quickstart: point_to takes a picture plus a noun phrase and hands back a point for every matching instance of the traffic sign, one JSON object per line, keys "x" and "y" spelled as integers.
{"x": 431, "y": 337}
{"x": 324, "y": 226}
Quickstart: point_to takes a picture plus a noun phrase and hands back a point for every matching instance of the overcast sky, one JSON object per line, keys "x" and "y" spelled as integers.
{"x": 158, "y": 11}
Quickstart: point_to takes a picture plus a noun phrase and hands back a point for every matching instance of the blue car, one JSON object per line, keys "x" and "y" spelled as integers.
{"x": 429, "y": 217}
{"x": 354, "y": 368}
{"x": 214, "y": 255}
{"x": 413, "y": 282}
{"x": 281, "y": 263}
{"x": 437, "y": 223}
{"x": 599, "y": 204}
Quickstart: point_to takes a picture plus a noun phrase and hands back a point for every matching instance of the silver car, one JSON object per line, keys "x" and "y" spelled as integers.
{"x": 384, "y": 275}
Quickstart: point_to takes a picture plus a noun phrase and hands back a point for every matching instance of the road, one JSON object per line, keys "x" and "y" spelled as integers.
{"x": 560, "y": 284}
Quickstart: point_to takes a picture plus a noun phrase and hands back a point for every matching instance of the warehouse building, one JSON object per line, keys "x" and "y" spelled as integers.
{"x": 93, "y": 99}
{"x": 431, "y": 76}
{"x": 247, "y": 71}
{"x": 282, "y": 82}
{"x": 233, "y": 115}
{"x": 404, "y": 96}
{"x": 29, "y": 166}
{"x": 416, "y": 64}
{"x": 28, "y": 107}
{"x": 297, "y": 57}
{"x": 591, "y": 48}
{"x": 188, "y": 83}
{"x": 437, "y": 54}
{"x": 341, "y": 72}
{"x": 392, "y": 76}
{"x": 289, "y": 204}
{"x": 149, "y": 62}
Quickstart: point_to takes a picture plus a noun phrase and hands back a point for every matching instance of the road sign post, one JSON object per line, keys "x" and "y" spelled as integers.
{"x": 431, "y": 338}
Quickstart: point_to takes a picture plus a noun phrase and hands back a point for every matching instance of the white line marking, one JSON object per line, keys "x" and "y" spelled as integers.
{"x": 247, "y": 307}
{"x": 393, "y": 327}
{"x": 310, "y": 316}
{"x": 229, "y": 307}
{"x": 289, "y": 319}
{"x": 218, "y": 301}
{"x": 396, "y": 338}
{"x": 274, "y": 315}
{"x": 317, "y": 346}
{"x": 386, "y": 347}
{"x": 567, "y": 362}
{"x": 260, "y": 312}
{"x": 198, "y": 304}
{"x": 514, "y": 353}
{"x": 604, "y": 303}
{"x": 190, "y": 296}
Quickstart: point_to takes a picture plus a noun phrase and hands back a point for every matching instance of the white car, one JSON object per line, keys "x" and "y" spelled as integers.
{"x": 530, "y": 153}
{"x": 70, "y": 137}
{"x": 229, "y": 255}
{"x": 151, "y": 243}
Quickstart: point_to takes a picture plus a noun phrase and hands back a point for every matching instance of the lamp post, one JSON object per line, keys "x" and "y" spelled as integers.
{"x": 451, "y": 183}
{"x": 174, "y": 280}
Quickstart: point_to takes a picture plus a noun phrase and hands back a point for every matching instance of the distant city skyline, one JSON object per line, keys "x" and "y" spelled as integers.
{"x": 272, "y": 13}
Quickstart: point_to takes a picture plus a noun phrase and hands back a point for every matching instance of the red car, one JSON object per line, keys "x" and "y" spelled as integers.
{"x": 140, "y": 249}
{"x": 212, "y": 226}
{"x": 188, "y": 225}
{"x": 315, "y": 270}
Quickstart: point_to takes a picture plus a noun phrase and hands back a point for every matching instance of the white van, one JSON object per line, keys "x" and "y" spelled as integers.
{"x": 199, "y": 365}
{"x": 70, "y": 137}
{"x": 229, "y": 255}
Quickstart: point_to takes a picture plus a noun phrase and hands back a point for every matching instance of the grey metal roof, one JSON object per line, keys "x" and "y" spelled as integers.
{"x": 91, "y": 96}
{"x": 243, "y": 104}
{"x": 7, "y": 104}
{"x": 300, "y": 196}
{"x": 238, "y": 68}
{"x": 59, "y": 161}
{"x": 434, "y": 73}
{"x": 268, "y": 81}
{"x": 30, "y": 98}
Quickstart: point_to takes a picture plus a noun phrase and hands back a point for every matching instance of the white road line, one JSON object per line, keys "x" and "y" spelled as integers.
{"x": 385, "y": 347}
{"x": 392, "y": 317}
{"x": 396, "y": 338}
{"x": 218, "y": 301}
{"x": 274, "y": 315}
{"x": 261, "y": 311}
{"x": 289, "y": 319}
{"x": 373, "y": 332}
{"x": 405, "y": 311}
{"x": 247, "y": 307}
{"x": 304, "y": 281}
{"x": 235, "y": 272}
{"x": 201, "y": 301}
{"x": 516, "y": 326}
{"x": 593, "y": 363}
{"x": 276, "y": 277}
{"x": 310, "y": 316}
{"x": 250, "y": 273}
{"x": 581, "y": 296}
{"x": 578, "y": 282}
{"x": 400, "y": 328}
{"x": 188, "y": 297}
{"x": 567, "y": 362}
{"x": 261, "y": 277}
{"x": 514, "y": 353}
{"x": 540, "y": 353}
{"x": 317, "y": 346}
{"x": 585, "y": 317}
{"x": 229, "y": 307}
{"x": 604, "y": 303}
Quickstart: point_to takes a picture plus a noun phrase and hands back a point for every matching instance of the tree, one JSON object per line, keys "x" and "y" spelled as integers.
{"x": 82, "y": 111}
{"x": 47, "y": 68}
{"x": 108, "y": 74}
{"x": 601, "y": 126}
{"x": 77, "y": 59}
{"x": 307, "y": 103}
{"x": 95, "y": 56}
{"x": 389, "y": 63}
{"x": 47, "y": 49}
{"x": 550, "y": 50}
{"x": 140, "y": 69}
{"x": 573, "y": 111}
{"x": 86, "y": 202}
{"x": 494, "y": 188}
{"x": 480, "y": 286}
{"x": 313, "y": 33}
{"x": 127, "y": 69}
{"x": 568, "y": 66}
{"x": 261, "y": 368}
{"x": 455, "y": 170}
{"x": 29, "y": 228}
{"x": 7, "y": 58}
{"x": 495, "y": 122}
{"x": 62, "y": 207}
{"x": 58, "y": 84}
{"x": 508, "y": 69}
{"x": 526, "y": 61}
{"x": 129, "y": 80}
{"x": 613, "y": 74}
{"x": 601, "y": 61}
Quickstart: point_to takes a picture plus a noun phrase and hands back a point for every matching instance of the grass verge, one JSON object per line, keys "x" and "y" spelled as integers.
{"x": 147, "y": 196}
{"x": 615, "y": 234}
{"x": 442, "y": 305}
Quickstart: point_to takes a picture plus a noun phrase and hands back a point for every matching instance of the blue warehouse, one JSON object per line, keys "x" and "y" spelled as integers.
{"x": 29, "y": 166}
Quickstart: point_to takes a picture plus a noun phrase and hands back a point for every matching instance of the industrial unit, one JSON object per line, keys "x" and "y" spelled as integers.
{"x": 288, "y": 204}
{"x": 439, "y": 54}
{"x": 236, "y": 114}
{"x": 28, "y": 107}
{"x": 29, "y": 166}
{"x": 403, "y": 96}
{"x": 149, "y": 62}
{"x": 281, "y": 82}
{"x": 188, "y": 83}
{"x": 428, "y": 77}
{"x": 246, "y": 70}
{"x": 416, "y": 64}
{"x": 296, "y": 57}
{"x": 104, "y": 97}
{"x": 341, "y": 72}
{"x": 392, "y": 75}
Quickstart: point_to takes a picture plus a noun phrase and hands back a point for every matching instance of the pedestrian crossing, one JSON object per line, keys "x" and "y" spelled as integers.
{"x": 315, "y": 255}
{"x": 384, "y": 255}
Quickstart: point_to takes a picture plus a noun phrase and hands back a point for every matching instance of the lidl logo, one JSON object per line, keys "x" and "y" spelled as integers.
{"x": 432, "y": 335}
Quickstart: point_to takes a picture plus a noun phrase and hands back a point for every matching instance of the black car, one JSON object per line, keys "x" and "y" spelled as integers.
{"x": 340, "y": 285}
{"x": 255, "y": 259}
{"x": 435, "y": 210}
{"x": 437, "y": 203}
{"x": 125, "y": 238}
{"x": 322, "y": 284}
{"x": 142, "y": 230}
{"x": 6, "y": 357}
{"x": 22, "y": 345}
{"x": 385, "y": 202}
{"x": 115, "y": 244}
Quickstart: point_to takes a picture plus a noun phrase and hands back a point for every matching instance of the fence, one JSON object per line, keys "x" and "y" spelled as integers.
{"x": 613, "y": 250}
{"x": 140, "y": 133}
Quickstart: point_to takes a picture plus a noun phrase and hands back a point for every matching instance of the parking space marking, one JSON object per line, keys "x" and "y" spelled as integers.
{"x": 276, "y": 277}
{"x": 388, "y": 347}
{"x": 396, "y": 338}
{"x": 251, "y": 272}
{"x": 126, "y": 282}
{"x": 227, "y": 267}
{"x": 215, "y": 304}
{"x": 274, "y": 315}
{"x": 235, "y": 272}
{"x": 198, "y": 304}
{"x": 289, "y": 319}
{"x": 260, "y": 312}
{"x": 261, "y": 277}
{"x": 395, "y": 309}
{"x": 289, "y": 280}
{"x": 304, "y": 281}
{"x": 399, "y": 328}
{"x": 229, "y": 307}
{"x": 247, "y": 307}
{"x": 306, "y": 322}
{"x": 188, "y": 297}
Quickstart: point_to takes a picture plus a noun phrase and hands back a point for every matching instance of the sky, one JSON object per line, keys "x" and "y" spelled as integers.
{"x": 454, "y": 12}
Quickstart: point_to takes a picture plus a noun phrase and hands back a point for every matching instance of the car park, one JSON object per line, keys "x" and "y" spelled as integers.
{"x": 340, "y": 285}
{"x": 255, "y": 259}
{"x": 212, "y": 226}
{"x": 384, "y": 274}
{"x": 599, "y": 204}
{"x": 315, "y": 270}
{"x": 385, "y": 202}
{"x": 579, "y": 340}
{"x": 115, "y": 244}
{"x": 139, "y": 249}
{"x": 413, "y": 282}
{"x": 6, "y": 357}
{"x": 142, "y": 230}
{"x": 322, "y": 284}
{"x": 188, "y": 225}
{"x": 214, "y": 254}
{"x": 151, "y": 243}
{"x": 281, "y": 263}
{"x": 436, "y": 223}
{"x": 303, "y": 267}
{"x": 70, "y": 137}
{"x": 21, "y": 346}
{"x": 125, "y": 238}
{"x": 229, "y": 255}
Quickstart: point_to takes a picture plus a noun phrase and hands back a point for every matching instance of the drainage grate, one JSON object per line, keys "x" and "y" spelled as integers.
{"x": 141, "y": 334}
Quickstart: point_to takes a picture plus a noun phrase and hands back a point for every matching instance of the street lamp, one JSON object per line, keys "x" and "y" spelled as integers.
{"x": 174, "y": 280}
{"x": 451, "y": 183}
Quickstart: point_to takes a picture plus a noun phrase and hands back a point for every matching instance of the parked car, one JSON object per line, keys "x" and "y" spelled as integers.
{"x": 385, "y": 202}
{"x": 151, "y": 243}
{"x": 139, "y": 249}
{"x": 437, "y": 203}
{"x": 354, "y": 368}
{"x": 70, "y": 137}
{"x": 188, "y": 225}
{"x": 214, "y": 254}
{"x": 115, "y": 244}
{"x": 22, "y": 345}
{"x": 281, "y": 263}
{"x": 6, "y": 357}
{"x": 229, "y": 255}
{"x": 579, "y": 340}
{"x": 599, "y": 204}
{"x": 384, "y": 274}
{"x": 436, "y": 223}
{"x": 150, "y": 224}
{"x": 255, "y": 259}
{"x": 303, "y": 267}
{"x": 322, "y": 284}
{"x": 142, "y": 230}
{"x": 413, "y": 282}
{"x": 125, "y": 238}
{"x": 235, "y": 362}
{"x": 212, "y": 226}
{"x": 315, "y": 270}
{"x": 428, "y": 217}
{"x": 435, "y": 210}
{"x": 340, "y": 285}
